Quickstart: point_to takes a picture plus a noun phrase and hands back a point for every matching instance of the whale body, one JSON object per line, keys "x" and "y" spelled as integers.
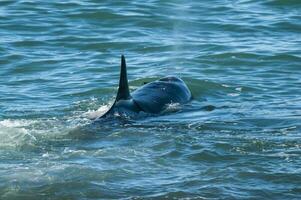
{"x": 150, "y": 98}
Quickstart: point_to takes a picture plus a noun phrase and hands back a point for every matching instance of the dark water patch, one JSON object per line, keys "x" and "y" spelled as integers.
{"x": 289, "y": 3}
{"x": 288, "y": 26}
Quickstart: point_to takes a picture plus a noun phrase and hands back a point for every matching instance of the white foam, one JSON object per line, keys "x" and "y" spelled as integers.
{"x": 238, "y": 89}
{"x": 8, "y": 123}
{"x": 233, "y": 94}
{"x": 224, "y": 85}
{"x": 172, "y": 107}
{"x": 17, "y": 133}
{"x": 13, "y": 136}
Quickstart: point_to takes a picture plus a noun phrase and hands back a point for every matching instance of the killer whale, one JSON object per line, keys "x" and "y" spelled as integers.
{"x": 152, "y": 97}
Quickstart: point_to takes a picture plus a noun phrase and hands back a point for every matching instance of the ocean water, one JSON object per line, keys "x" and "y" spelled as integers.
{"x": 239, "y": 138}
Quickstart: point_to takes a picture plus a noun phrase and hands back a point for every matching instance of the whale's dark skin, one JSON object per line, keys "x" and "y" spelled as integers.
{"x": 151, "y": 98}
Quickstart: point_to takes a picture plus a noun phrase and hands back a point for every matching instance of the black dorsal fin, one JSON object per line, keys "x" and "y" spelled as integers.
{"x": 123, "y": 90}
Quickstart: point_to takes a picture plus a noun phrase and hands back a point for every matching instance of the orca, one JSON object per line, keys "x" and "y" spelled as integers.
{"x": 152, "y": 97}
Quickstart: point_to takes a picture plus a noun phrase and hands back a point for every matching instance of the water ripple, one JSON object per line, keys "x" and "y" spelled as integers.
{"x": 239, "y": 138}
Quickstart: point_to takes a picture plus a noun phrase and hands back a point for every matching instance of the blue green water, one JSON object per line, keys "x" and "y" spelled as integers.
{"x": 59, "y": 67}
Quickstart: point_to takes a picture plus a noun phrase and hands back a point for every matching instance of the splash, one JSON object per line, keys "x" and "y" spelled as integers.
{"x": 14, "y": 134}
{"x": 172, "y": 107}
{"x": 93, "y": 114}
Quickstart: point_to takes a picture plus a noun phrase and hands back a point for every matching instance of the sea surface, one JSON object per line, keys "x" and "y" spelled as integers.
{"x": 239, "y": 138}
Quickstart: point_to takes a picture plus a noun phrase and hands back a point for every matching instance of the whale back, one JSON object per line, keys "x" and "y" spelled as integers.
{"x": 154, "y": 96}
